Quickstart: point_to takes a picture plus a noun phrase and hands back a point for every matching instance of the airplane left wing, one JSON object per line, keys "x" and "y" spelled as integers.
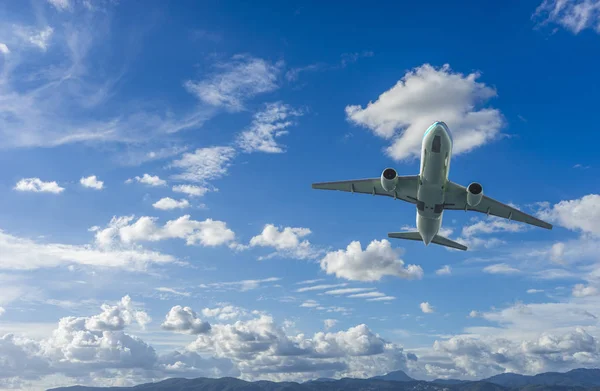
{"x": 456, "y": 198}
{"x": 406, "y": 190}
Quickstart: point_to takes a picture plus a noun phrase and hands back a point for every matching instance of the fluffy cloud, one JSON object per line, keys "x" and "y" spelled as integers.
{"x": 329, "y": 323}
{"x": 426, "y": 307}
{"x": 236, "y": 81}
{"x": 60, "y": 5}
{"x": 287, "y": 241}
{"x": 25, "y": 254}
{"x": 204, "y": 164}
{"x": 581, "y": 214}
{"x": 376, "y": 261}
{"x": 581, "y": 290}
{"x": 424, "y": 95}
{"x": 191, "y": 190}
{"x": 150, "y": 180}
{"x": 227, "y": 312}
{"x": 92, "y": 182}
{"x": 36, "y": 185}
{"x": 184, "y": 320}
{"x": 169, "y": 203}
{"x": 574, "y": 16}
{"x": 206, "y": 233}
{"x": 4, "y": 49}
{"x": 446, "y": 270}
{"x": 268, "y": 125}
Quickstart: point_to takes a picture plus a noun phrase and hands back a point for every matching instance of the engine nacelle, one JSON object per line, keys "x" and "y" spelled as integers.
{"x": 474, "y": 194}
{"x": 389, "y": 179}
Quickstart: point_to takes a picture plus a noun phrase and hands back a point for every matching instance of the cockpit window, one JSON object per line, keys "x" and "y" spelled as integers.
{"x": 436, "y": 145}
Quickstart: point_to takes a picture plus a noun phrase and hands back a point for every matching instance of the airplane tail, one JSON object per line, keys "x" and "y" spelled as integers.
{"x": 437, "y": 239}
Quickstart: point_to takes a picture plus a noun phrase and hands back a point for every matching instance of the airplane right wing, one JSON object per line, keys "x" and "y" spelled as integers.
{"x": 406, "y": 189}
{"x": 456, "y": 198}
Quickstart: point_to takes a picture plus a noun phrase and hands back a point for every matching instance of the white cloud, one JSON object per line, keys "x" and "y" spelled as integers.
{"x": 204, "y": 164}
{"x": 267, "y": 126}
{"x": 319, "y": 287}
{"x": 580, "y": 290}
{"x": 376, "y": 261}
{"x": 446, "y": 270}
{"x": 25, "y": 254}
{"x": 236, "y": 81}
{"x": 287, "y": 241}
{"x": 244, "y": 285}
{"x": 227, "y": 312}
{"x": 92, "y": 182}
{"x": 61, "y": 5}
{"x": 367, "y": 295}
{"x": 581, "y": 214}
{"x": 184, "y": 320}
{"x": 206, "y": 233}
{"x": 329, "y": 323}
{"x": 574, "y": 16}
{"x": 500, "y": 268}
{"x": 2, "y": 311}
{"x": 426, "y": 307}
{"x": 173, "y": 291}
{"x": 424, "y": 95}
{"x": 4, "y": 49}
{"x": 36, "y": 185}
{"x": 345, "y": 291}
{"x": 168, "y": 203}
{"x": 39, "y": 38}
{"x": 531, "y": 291}
{"x": 474, "y": 314}
{"x": 383, "y": 298}
{"x": 309, "y": 304}
{"x": 191, "y": 190}
{"x": 306, "y": 282}
{"x": 150, "y": 180}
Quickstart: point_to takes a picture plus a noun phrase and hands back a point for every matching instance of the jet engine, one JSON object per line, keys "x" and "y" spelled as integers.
{"x": 474, "y": 194}
{"x": 389, "y": 179}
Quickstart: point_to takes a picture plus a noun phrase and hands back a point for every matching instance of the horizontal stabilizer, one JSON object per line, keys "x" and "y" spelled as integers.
{"x": 437, "y": 239}
{"x": 405, "y": 235}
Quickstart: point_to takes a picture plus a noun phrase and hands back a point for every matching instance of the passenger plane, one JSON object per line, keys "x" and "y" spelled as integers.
{"x": 432, "y": 192}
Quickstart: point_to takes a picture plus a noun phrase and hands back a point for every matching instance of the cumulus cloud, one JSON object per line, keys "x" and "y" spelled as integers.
{"x": 191, "y": 190}
{"x": 372, "y": 264}
{"x": 445, "y": 270}
{"x": 233, "y": 82}
{"x": 287, "y": 241}
{"x": 204, "y": 164}
{"x": 329, "y": 323}
{"x": 168, "y": 203}
{"x": 92, "y": 182}
{"x": 575, "y": 16}
{"x": 426, "y": 307}
{"x": 581, "y": 214}
{"x": 147, "y": 179}
{"x": 208, "y": 233}
{"x": 424, "y": 95}
{"x": 580, "y": 290}
{"x": 226, "y": 312}
{"x": 474, "y": 314}
{"x": 36, "y": 185}
{"x": 184, "y": 320}
{"x": 4, "y": 49}
{"x": 266, "y": 127}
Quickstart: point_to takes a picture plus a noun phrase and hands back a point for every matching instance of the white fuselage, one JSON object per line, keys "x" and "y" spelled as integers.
{"x": 436, "y": 152}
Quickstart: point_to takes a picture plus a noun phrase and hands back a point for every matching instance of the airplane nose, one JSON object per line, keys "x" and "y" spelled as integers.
{"x": 427, "y": 238}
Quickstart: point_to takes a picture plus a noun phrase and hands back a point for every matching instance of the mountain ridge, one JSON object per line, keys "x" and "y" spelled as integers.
{"x": 580, "y": 379}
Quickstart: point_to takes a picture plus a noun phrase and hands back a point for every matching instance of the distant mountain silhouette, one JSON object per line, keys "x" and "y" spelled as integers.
{"x": 575, "y": 380}
{"x": 394, "y": 376}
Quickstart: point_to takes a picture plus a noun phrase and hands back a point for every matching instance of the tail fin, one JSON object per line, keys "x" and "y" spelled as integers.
{"x": 406, "y": 235}
{"x": 437, "y": 239}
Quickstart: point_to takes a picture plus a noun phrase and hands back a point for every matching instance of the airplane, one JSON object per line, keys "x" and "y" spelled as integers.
{"x": 432, "y": 192}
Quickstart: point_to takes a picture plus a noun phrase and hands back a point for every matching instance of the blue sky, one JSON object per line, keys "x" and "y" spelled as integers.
{"x": 157, "y": 201}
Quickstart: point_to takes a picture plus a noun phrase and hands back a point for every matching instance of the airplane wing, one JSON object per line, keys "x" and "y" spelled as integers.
{"x": 456, "y": 198}
{"x": 406, "y": 189}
